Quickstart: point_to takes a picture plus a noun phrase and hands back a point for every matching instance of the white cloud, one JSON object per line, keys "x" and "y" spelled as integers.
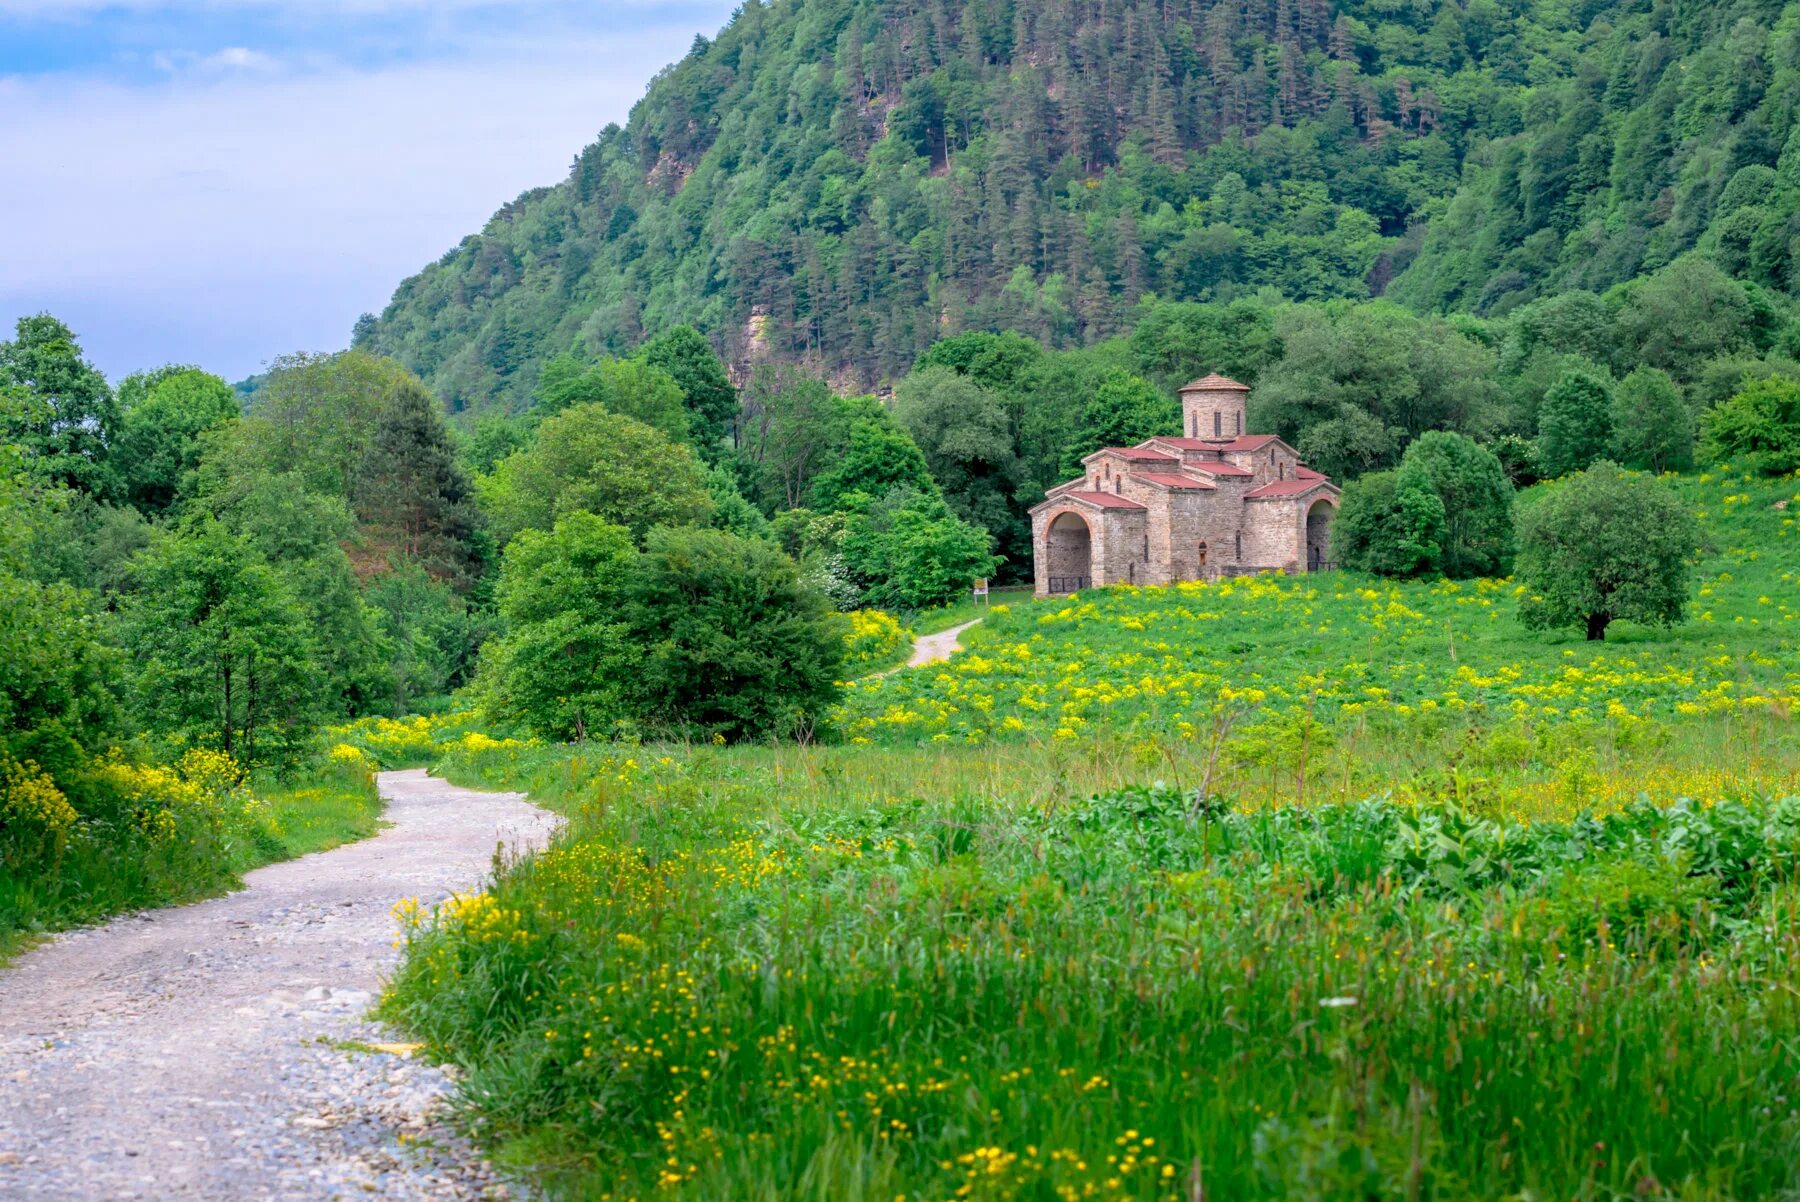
{"x": 241, "y": 214}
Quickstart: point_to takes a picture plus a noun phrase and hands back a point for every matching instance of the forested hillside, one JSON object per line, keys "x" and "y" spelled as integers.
{"x": 841, "y": 183}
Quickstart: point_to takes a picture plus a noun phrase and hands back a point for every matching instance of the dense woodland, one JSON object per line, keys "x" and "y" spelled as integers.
{"x": 841, "y": 183}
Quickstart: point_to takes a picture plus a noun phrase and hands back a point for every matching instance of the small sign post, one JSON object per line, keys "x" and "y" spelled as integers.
{"x": 981, "y": 590}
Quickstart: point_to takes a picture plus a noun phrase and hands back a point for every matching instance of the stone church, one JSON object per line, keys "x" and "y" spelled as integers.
{"x": 1212, "y": 501}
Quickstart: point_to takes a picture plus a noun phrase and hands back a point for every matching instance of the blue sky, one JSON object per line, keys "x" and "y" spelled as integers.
{"x": 223, "y": 181}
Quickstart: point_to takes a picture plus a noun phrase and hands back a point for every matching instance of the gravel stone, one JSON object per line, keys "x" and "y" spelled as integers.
{"x": 223, "y": 1051}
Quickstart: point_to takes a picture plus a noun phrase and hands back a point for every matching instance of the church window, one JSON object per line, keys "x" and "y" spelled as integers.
{"x": 1240, "y": 544}
{"x": 1240, "y": 424}
{"x": 1218, "y": 424}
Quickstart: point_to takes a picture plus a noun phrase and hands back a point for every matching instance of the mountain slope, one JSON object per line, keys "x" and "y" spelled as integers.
{"x": 842, "y": 182}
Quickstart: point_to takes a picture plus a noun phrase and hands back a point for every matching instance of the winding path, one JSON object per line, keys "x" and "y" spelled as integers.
{"x": 930, "y": 648}
{"x": 221, "y": 1050}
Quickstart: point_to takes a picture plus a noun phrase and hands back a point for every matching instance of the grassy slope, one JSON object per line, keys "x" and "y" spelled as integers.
{"x": 933, "y": 965}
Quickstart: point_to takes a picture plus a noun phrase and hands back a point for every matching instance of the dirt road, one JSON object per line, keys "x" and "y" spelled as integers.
{"x": 930, "y": 648}
{"x": 221, "y": 1051}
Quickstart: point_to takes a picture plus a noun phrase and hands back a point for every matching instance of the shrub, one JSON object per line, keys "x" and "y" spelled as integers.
{"x": 1391, "y": 525}
{"x": 1759, "y": 426}
{"x": 1477, "y": 538}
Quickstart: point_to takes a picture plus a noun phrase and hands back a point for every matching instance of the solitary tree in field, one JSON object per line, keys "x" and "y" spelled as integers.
{"x": 1602, "y": 545}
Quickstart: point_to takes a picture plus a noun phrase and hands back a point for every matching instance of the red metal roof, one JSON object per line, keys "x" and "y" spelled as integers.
{"x": 1222, "y": 468}
{"x": 1284, "y": 488}
{"x": 1214, "y": 383}
{"x": 1302, "y": 472}
{"x": 1169, "y": 480}
{"x": 1247, "y": 442}
{"x": 1189, "y": 444}
{"x": 1104, "y": 500}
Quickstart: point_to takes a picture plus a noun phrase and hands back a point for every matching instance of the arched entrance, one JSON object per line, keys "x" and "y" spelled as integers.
{"x": 1318, "y": 536}
{"x": 1069, "y": 545}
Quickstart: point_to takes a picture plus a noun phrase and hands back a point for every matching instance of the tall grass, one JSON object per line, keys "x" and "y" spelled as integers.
{"x": 717, "y": 986}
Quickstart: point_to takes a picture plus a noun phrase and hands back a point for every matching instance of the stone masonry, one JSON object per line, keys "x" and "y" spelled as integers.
{"x": 1211, "y": 501}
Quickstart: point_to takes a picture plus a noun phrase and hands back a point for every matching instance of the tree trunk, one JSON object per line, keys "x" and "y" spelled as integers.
{"x": 1596, "y": 627}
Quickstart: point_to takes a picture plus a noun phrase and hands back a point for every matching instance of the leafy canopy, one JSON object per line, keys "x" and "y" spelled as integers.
{"x": 1604, "y": 545}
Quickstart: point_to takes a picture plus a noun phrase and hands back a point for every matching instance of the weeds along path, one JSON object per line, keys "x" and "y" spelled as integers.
{"x": 222, "y": 1051}
{"x": 930, "y": 648}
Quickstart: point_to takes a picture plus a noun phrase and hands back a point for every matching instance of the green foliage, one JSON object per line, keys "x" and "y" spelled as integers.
{"x": 792, "y": 427}
{"x": 999, "y": 362}
{"x": 566, "y": 665}
{"x": 57, "y": 408}
{"x": 1575, "y": 423}
{"x": 1174, "y": 342}
{"x": 223, "y": 654}
{"x": 59, "y": 676}
{"x": 163, "y": 416}
{"x": 412, "y": 496}
{"x": 1121, "y": 411}
{"x": 1625, "y": 900}
{"x": 1760, "y": 426}
{"x": 1605, "y": 545}
{"x": 879, "y": 456}
{"x": 965, "y": 433}
{"x": 731, "y": 511}
{"x": 1688, "y": 313}
{"x": 590, "y": 459}
{"x": 704, "y": 632}
{"x": 712, "y": 403}
{"x": 427, "y": 630}
{"x": 1477, "y": 498}
{"x": 1390, "y": 524}
{"x": 732, "y": 642}
{"x": 1652, "y": 427}
{"x": 1406, "y": 373}
{"x": 907, "y": 551}
{"x": 1346, "y": 446}
{"x": 629, "y": 387}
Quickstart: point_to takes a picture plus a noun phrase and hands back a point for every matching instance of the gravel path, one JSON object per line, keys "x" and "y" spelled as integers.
{"x": 930, "y": 648}
{"x": 220, "y": 1050}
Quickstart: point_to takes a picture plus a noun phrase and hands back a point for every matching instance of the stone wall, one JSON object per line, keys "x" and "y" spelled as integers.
{"x": 1121, "y": 559}
{"x": 1270, "y": 533}
{"x": 1206, "y": 413}
{"x": 1273, "y": 462}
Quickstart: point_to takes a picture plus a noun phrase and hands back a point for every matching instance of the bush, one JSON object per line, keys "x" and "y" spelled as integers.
{"x": 704, "y": 632}
{"x": 1574, "y": 423}
{"x": 1390, "y": 525}
{"x": 1760, "y": 426}
{"x": 1477, "y": 538}
{"x": 733, "y": 642}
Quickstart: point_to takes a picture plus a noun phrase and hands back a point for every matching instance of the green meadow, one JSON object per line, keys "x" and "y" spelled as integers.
{"x": 1307, "y": 888}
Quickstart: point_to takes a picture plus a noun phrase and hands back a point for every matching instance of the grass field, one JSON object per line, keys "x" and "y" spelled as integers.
{"x": 1320, "y": 888}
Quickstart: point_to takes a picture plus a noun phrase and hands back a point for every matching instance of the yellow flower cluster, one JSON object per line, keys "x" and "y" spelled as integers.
{"x": 876, "y": 638}
{"x": 35, "y": 816}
